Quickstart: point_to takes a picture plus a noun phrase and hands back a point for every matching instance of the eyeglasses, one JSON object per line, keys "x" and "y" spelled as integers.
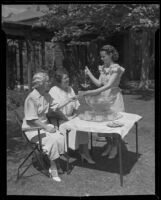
{"x": 48, "y": 82}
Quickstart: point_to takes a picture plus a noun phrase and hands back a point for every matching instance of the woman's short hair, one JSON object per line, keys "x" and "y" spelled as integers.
{"x": 59, "y": 75}
{"x": 109, "y": 49}
{"x": 39, "y": 78}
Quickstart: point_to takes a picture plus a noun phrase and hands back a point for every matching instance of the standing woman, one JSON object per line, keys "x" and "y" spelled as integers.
{"x": 36, "y": 107}
{"x": 108, "y": 91}
{"x": 64, "y": 95}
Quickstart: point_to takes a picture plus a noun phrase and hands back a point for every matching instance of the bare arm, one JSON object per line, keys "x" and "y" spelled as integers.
{"x": 93, "y": 79}
{"x": 66, "y": 102}
{"x": 38, "y": 123}
{"x": 31, "y": 115}
{"x": 105, "y": 87}
{"x": 55, "y": 101}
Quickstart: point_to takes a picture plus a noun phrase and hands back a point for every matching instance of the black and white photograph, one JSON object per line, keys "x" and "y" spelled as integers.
{"x": 80, "y": 98}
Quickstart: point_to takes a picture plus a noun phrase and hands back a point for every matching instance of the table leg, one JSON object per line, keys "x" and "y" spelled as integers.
{"x": 67, "y": 140}
{"x": 120, "y": 160}
{"x": 136, "y": 126}
{"x": 91, "y": 143}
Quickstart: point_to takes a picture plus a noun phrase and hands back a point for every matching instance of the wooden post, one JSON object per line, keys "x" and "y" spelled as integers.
{"x": 21, "y": 62}
{"x": 58, "y": 56}
{"x": 131, "y": 56}
{"x": 43, "y": 53}
{"x": 144, "y": 79}
{"x": 126, "y": 51}
{"x": 38, "y": 55}
{"x": 34, "y": 58}
{"x": 126, "y": 58}
{"x": 7, "y": 67}
{"x": 13, "y": 70}
{"x": 15, "y": 64}
{"x": 29, "y": 62}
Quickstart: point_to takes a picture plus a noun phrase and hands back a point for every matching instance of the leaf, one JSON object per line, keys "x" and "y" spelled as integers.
{"x": 78, "y": 19}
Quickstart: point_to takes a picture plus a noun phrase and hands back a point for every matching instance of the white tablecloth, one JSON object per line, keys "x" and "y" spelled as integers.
{"x": 128, "y": 120}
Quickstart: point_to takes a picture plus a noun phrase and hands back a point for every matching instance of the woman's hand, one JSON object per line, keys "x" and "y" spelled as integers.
{"x": 83, "y": 93}
{"x": 51, "y": 129}
{"x": 88, "y": 92}
{"x": 80, "y": 94}
{"x": 87, "y": 71}
{"x": 74, "y": 98}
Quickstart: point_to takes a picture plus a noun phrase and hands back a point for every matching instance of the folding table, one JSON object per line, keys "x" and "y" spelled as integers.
{"x": 128, "y": 119}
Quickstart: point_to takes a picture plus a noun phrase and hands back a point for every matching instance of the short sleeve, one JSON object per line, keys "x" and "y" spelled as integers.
{"x": 30, "y": 109}
{"x": 115, "y": 68}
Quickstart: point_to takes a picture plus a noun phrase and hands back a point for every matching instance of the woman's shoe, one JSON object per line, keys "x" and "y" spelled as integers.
{"x": 107, "y": 151}
{"x": 84, "y": 157}
{"x": 113, "y": 152}
{"x": 54, "y": 175}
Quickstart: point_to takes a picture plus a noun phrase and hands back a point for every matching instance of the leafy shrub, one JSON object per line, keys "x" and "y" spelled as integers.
{"x": 15, "y": 99}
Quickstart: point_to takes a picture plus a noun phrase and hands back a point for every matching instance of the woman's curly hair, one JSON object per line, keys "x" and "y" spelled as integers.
{"x": 59, "y": 75}
{"x": 39, "y": 78}
{"x": 110, "y": 49}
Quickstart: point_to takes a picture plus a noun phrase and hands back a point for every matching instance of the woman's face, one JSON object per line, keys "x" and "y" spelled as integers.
{"x": 106, "y": 58}
{"x": 46, "y": 85}
{"x": 65, "y": 81}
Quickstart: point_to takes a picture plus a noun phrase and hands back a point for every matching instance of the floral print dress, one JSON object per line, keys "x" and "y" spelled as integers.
{"x": 106, "y": 105}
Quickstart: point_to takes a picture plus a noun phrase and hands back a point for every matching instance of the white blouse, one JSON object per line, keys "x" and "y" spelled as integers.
{"x": 36, "y": 107}
{"x": 60, "y": 96}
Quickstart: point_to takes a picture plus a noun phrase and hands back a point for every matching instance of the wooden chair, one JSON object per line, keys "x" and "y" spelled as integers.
{"x": 40, "y": 157}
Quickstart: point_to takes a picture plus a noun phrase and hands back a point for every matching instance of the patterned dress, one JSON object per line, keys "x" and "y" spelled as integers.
{"x": 106, "y": 105}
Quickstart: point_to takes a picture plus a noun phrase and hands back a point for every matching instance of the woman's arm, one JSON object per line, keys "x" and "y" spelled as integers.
{"x": 31, "y": 115}
{"x": 101, "y": 89}
{"x": 66, "y": 102}
{"x": 94, "y": 80}
{"x": 37, "y": 122}
{"x": 55, "y": 104}
{"x": 97, "y": 82}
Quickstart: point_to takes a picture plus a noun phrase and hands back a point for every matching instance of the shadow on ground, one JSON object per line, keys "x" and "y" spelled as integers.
{"x": 17, "y": 149}
{"x": 129, "y": 159}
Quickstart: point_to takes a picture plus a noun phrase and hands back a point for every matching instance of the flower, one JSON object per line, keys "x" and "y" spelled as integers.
{"x": 100, "y": 67}
{"x": 103, "y": 69}
{"x": 106, "y": 70}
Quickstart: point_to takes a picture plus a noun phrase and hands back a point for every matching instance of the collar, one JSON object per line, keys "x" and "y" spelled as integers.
{"x": 36, "y": 93}
{"x": 106, "y": 70}
{"x": 103, "y": 69}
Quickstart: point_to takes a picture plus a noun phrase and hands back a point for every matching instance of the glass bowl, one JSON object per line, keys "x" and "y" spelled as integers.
{"x": 98, "y": 103}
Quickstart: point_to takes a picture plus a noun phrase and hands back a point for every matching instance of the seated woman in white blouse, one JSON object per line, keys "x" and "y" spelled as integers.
{"x": 36, "y": 107}
{"x": 62, "y": 94}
